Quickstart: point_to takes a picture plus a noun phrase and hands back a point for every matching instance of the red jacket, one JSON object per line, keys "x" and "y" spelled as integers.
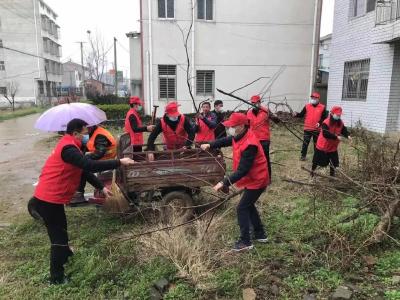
{"x": 174, "y": 139}
{"x": 136, "y": 137}
{"x": 313, "y": 116}
{"x": 205, "y": 134}
{"x": 260, "y": 123}
{"x": 59, "y": 180}
{"x": 330, "y": 145}
{"x": 258, "y": 177}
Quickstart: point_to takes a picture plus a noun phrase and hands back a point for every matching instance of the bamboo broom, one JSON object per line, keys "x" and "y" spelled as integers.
{"x": 117, "y": 203}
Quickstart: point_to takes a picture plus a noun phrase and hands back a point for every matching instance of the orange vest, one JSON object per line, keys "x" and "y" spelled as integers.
{"x": 260, "y": 123}
{"x": 258, "y": 177}
{"x": 313, "y": 116}
{"x": 136, "y": 137}
{"x": 174, "y": 139}
{"x": 329, "y": 145}
{"x": 59, "y": 180}
{"x": 111, "y": 150}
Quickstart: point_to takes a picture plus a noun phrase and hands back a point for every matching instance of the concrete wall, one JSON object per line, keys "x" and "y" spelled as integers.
{"x": 324, "y": 50}
{"x": 242, "y": 43}
{"x": 352, "y": 40}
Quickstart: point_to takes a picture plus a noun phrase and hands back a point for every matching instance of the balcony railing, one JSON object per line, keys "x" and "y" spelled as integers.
{"x": 387, "y": 11}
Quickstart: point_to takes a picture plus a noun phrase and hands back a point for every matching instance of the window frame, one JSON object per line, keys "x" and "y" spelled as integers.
{"x": 360, "y": 95}
{"x": 204, "y": 92}
{"x": 167, "y": 77}
{"x": 205, "y": 11}
{"x": 2, "y": 65}
{"x": 3, "y": 90}
{"x": 165, "y": 10}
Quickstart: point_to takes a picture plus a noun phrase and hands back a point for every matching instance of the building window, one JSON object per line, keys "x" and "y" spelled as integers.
{"x": 3, "y": 90}
{"x": 321, "y": 61}
{"x": 355, "y": 80}
{"x": 205, "y": 9}
{"x": 371, "y": 5}
{"x": 1, "y": 43}
{"x": 167, "y": 82}
{"x": 2, "y": 66}
{"x": 205, "y": 83}
{"x": 166, "y": 9}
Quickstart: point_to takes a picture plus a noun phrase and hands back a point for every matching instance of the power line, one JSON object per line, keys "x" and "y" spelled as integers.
{"x": 123, "y": 47}
{"x": 22, "y": 52}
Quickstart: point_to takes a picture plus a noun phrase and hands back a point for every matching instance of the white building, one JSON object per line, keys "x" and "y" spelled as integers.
{"x": 231, "y": 43}
{"x": 72, "y": 78}
{"x": 365, "y": 63}
{"x": 30, "y": 57}
{"x": 324, "y": 50}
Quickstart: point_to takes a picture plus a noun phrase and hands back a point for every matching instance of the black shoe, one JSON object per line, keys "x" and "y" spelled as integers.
{"x": 59, "y": 280}
{"x": 242, "y": 246}
{"x": 262, "y": 238}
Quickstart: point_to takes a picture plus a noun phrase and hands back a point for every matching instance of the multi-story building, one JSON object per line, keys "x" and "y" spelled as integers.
{"x": 231, "y": 43}
{"x": 364, "y": 75}
{"x": 29, "y": 50}
{"x": 72, "y": 79}
{"x": 321, "y": 83}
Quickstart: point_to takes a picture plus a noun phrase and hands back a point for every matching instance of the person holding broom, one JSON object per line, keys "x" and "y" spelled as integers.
{"x": 332, "y": 133}
{"x": 250, "y": 173}
{"x": 58, "y": 181}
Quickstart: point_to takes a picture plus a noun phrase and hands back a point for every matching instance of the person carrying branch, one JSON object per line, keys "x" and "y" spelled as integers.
{"x": 330, "y": 136}
{"x": 58, "y": 182}
{"x": 259, "y": 117}
{"x": 206, "y": 122}
{"x": 176, "y": 129}
{"x": 133, "y": 124}
{"x": 314, "y": 113}
{"x": 250, "y": 173}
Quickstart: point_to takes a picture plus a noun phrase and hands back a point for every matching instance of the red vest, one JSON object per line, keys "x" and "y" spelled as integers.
{"x": 59, "y": 180}
{"x": 260, "y": 123}
{"x": 258, "y": 177}
{"x": 111, "y": 150}
{"x": 205, "y": 134}
{"x": 174, "y": 139}
{"x": 136, "y": 137}
{"x": 313, "y": 116}
{"x": 328, "y": 145}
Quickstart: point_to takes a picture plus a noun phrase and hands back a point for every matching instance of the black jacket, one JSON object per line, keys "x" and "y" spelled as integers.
{"x": 219, "y": 131}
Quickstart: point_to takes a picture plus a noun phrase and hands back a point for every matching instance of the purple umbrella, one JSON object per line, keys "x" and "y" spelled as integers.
{"x": 56, "y": 118}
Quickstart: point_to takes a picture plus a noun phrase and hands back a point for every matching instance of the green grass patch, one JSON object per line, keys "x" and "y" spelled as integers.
{"x": 7, "y": 115}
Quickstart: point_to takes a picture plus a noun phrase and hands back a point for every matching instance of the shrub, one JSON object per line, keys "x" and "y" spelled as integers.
{"x": 108, "y": 99}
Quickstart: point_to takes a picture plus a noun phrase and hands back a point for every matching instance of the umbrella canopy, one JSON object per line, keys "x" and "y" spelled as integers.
{"x": 56, "y": 118}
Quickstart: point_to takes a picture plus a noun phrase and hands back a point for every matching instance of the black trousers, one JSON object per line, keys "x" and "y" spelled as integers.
{"x": 265, "y": 145}
{"x": 247, "y": 213}
{"x": 324, "y": 159}
{"x": 307, "y": 139}
{"x": 56, "y": 223}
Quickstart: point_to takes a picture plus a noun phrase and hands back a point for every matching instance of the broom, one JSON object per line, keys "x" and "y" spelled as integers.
{"x": 117, "y": 203}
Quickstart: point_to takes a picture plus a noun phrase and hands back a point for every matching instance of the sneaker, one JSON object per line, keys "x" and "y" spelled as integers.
{"x": 303, "y": 158}
{"x": 261, "y": 239}
{"x": 241, "y": 246}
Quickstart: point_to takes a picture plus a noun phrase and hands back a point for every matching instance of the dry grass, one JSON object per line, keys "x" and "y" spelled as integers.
{"x": 193, "y": 251}
{"x": 117, "y": 203}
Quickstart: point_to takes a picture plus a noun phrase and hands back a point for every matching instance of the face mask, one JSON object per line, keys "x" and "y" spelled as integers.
{"x": 231, "y": 131}
{"x": 219, "y": 109}
{"x": 85, "y": 139}
{"x": 313, "y": 101}
{"x": 336, "y": 117}
{"x": 173, "y": 119}
{"x": 139, "y": 108}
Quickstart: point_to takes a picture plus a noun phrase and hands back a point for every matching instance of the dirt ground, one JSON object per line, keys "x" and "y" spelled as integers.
{"x": 23, "y": 151}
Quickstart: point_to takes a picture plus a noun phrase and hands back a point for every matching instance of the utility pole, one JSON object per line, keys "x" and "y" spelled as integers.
{"x": 83, "y": 72}
{"x": 46, "y": 84}
{"x": 115, "y": 66}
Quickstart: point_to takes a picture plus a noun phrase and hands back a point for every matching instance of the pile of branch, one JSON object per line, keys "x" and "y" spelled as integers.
{"x": 371, "y": 173}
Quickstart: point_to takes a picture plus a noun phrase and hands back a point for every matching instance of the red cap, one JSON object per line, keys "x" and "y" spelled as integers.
{"x": 135, "y": 100}
{"x": 255, "y": 99}
{"x": 172, "y": 109}
{"x": 236, "y": 119}
{"x": 336, "y": 110}
{"x": 316, "y": 95}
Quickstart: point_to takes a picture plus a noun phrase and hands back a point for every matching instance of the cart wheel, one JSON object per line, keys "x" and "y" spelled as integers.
{"x": 172, "y": 202}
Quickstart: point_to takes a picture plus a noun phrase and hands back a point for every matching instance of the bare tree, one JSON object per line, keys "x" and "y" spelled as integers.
{"x": 9, "y": 93}
{"x": 96, "y": 60}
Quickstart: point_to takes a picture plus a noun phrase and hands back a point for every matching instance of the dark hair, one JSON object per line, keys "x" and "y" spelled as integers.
{"x": 75, "y": 125}
{"x": 218, "y": 102}
{"x": 206, "y": 103}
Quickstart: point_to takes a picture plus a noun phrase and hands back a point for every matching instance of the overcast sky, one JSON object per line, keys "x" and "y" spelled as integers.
{"x": 115, "y": 18}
